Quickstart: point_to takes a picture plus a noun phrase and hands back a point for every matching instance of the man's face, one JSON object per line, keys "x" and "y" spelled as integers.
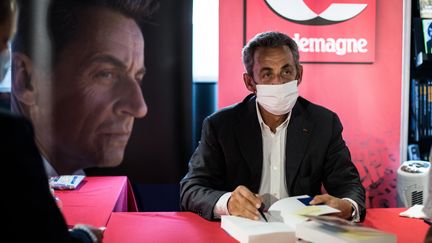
{"x": 96, "y": 90}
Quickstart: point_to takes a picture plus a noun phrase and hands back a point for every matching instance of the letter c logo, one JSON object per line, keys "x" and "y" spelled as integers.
{"x": 297, "y": 11}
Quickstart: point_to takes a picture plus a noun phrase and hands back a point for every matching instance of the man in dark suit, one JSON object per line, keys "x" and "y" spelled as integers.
{"x": 272, "y": 145}
{"x": 29, "y": 211}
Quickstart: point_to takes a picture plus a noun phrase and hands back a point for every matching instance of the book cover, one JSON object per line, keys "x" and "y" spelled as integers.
{"x": 425, "y": 8}
{"x": 427, "y": 34}
{"x": 336, "y": 230}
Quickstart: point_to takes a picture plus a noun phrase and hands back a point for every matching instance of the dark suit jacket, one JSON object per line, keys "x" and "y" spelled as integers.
{"x": 230, "y": 154}
{"x": 29, "y": 212}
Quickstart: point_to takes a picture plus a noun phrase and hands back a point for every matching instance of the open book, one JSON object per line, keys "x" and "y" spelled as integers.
{"x": 336, "y": 230}
{"x": 283, "y": 217}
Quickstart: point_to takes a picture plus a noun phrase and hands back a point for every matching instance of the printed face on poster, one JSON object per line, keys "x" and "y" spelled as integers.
{"x": 83, "y": 94}
{"x": 325, "y": 31}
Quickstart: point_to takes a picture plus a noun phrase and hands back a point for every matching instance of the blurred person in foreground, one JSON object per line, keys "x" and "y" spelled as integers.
{"x": 30, "y": 213}
{"x": 82, "y": 92}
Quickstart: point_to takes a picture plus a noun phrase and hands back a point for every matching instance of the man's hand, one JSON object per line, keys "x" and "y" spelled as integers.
{"x": 244, "y": 203}
{"x": 343, "y": 205}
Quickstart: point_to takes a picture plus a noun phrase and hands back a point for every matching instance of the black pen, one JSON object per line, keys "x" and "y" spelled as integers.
{"x": 260, "y": 210}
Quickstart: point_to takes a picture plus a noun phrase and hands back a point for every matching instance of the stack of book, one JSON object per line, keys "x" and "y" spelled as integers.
{"x": 294, "y": 220}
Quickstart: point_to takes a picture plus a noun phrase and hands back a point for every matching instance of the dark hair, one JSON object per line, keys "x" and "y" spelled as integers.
{"x": 63, "y": 21}
{"x": 268, "y": 39}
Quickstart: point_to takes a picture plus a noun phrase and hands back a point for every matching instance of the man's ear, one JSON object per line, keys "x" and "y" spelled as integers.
{"x": 23, "y": 86}
{"x": 249, "y": 82}
{"x": 300, "y": 74}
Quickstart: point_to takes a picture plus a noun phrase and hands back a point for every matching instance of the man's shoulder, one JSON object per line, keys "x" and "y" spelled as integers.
{"x": 235, "y": 111}
{"x": 313, "y": 110}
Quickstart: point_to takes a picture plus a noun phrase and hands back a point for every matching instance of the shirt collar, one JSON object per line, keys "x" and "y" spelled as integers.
{"x": 50, "y": 171}
{"x": 262, "y": 123}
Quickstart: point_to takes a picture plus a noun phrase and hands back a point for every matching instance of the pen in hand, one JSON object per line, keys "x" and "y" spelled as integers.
{"x": 261, "y": 211}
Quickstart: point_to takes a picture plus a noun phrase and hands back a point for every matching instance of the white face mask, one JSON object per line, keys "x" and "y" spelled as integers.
{"x": 278, "y": 99}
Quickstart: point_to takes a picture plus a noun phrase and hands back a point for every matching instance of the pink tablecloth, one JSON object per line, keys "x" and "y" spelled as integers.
{"x": 189, "y": 227}
{"x": 387, "y": 219}
{"x": 95, "y": 199}
{"x": 163, "y": 227}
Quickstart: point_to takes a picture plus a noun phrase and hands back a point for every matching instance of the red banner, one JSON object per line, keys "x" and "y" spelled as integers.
{"x": 363, "y": 87}
{"x": 328, "y": 32}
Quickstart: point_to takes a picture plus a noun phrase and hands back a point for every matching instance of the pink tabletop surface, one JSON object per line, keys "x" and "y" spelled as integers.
{"x": 163, "y": 227}
{"x": 94, "y": 200}
{"x": 387, "y": 219}
{"x": 189, "y": 227}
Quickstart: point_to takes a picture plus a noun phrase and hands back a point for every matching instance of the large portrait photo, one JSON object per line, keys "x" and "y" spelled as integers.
{"x": 95, "y": 78}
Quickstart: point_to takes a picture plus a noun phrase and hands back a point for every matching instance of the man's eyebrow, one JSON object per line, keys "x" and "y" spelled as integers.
{"x": 288, "y": 66}
{"x": 265, "y": 69}
{"x": 105, "y": 58}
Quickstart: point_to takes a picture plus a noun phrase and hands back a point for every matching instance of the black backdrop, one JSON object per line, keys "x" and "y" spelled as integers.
{"x": 161, "y": 143}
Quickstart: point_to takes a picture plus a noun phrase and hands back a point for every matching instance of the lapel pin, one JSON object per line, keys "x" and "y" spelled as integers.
{"x": 305, "y": 130}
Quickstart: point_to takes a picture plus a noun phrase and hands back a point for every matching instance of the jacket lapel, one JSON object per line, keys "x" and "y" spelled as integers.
{"x": 248, "y": 134}
{"x": 298, "y": 133}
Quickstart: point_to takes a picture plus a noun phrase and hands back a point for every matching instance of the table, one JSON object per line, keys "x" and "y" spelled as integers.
{"x": 189, "y": 227}
{"x": 95, "y": 199}
{"x": 163, "y": 227}
{"x": 388, "y": 219}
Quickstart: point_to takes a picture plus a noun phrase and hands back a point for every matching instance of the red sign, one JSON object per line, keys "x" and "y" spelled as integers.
{"x": 325, "y": 31}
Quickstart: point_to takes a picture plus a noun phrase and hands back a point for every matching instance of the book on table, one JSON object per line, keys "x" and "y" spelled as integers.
{"x": 283, "y": 217}
{"x": 66, "y": 182}
{"x": 337, "y": 230}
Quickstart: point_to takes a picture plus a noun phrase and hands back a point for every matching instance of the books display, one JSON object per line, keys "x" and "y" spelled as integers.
{"x": 283, "y": 217}
{"x": 421, "y": 109}
{"x": 336, "y": 230}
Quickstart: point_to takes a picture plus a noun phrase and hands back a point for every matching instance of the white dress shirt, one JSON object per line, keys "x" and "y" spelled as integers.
{"x": 50, "y": 171}
{"x": 273, "y": 184}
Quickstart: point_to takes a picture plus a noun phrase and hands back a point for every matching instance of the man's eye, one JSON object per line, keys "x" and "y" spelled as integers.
{"x": 266, "y": 75}
{"x": 105, "y": 75}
